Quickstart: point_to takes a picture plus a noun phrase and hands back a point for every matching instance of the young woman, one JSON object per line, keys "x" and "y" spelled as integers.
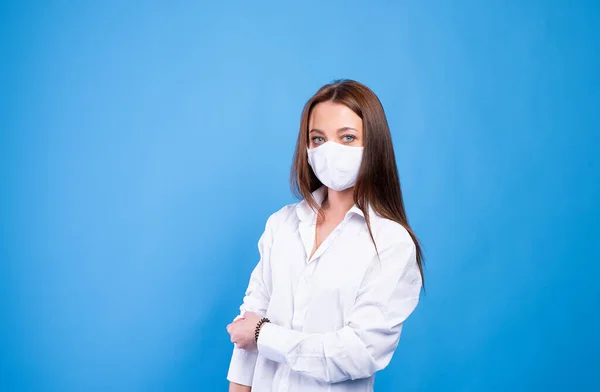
{"x": 340, "y": 271}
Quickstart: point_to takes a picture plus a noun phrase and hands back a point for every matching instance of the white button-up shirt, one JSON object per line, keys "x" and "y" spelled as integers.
{"x": 336, "y": 317}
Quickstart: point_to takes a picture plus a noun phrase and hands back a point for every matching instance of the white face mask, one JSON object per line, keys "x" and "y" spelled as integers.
{"x": 335, "y": 165}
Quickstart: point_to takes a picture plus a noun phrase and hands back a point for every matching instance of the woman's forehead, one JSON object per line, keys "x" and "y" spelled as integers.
{"x": 332, "y": 116}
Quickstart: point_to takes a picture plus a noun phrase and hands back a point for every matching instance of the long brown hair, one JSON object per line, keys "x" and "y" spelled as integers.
{"x": 378, "y": 183}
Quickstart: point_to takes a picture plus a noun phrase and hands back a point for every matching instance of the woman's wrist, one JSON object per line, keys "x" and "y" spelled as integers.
{"x": 259, "y": 326}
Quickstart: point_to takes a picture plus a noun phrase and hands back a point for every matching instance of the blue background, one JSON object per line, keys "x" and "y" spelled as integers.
{"x": 143, "y": 147}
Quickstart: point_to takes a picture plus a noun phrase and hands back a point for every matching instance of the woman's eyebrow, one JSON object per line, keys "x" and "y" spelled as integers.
{"x": 344, "y": 129}
{"x": 315, "y": 130}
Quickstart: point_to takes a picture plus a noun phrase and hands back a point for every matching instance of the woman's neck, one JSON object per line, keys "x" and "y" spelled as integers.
{"x": 339, "y": 202}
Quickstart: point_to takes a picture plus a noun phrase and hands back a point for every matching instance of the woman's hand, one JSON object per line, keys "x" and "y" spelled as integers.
{"x": 233, "y": 387}
{"x": 242, "y": 331}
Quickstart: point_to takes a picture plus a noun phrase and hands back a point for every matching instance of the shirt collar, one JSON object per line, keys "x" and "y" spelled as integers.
{"x": 305, "y": 213}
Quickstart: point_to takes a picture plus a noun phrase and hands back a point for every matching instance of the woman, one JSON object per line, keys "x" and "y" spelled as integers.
{"x": 340, "y": 271}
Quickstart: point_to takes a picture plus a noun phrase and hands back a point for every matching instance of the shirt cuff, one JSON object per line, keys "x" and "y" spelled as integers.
{"x": 241, "y": 368}
{"x": 274, "y": 342}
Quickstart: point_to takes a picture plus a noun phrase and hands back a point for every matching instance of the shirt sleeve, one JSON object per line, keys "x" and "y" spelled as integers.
{"x": 388, "y": 295}
{"x": 256, "y": 299}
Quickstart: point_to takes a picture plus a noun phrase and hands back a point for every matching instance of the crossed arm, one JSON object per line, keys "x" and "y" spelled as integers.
{"x": 388, "y": 295}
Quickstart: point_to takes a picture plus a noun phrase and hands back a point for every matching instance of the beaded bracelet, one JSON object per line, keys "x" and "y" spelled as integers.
{"x": 260, "y": 323}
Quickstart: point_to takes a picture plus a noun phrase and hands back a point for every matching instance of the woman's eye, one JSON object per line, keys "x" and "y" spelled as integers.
{"x": 349, "y": 138}
{"x": 317, "y": 140}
